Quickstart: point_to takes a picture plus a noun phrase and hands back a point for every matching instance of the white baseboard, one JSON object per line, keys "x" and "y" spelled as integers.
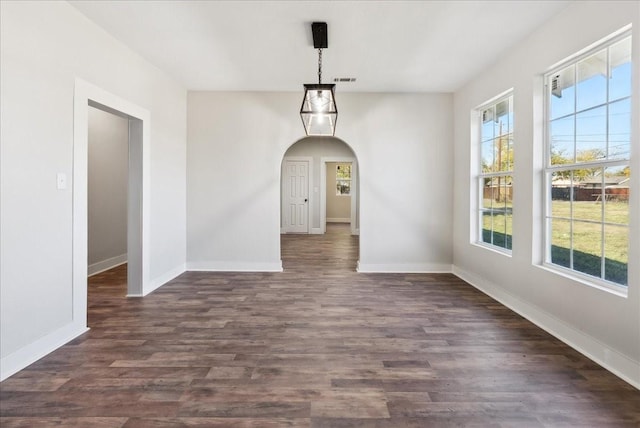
{"x": 23, "y": 357}
{"x": 338, "y": 220}
{"x": 612, "y": 360}
{"x": 225, "y": 266}
{"x": 403, "y": 267}
{"x": 163, "y": 279}
{"x": 310, "y": 231}
{"x": 99, "y": 267}
{"x": 316, "y": 231}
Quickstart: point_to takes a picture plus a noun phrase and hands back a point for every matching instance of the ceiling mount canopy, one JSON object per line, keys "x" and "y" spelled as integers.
{"x": 318, "y": 112}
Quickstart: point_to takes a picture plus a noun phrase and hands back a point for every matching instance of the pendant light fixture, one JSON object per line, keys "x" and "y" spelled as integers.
{"x": 318, "y": 112}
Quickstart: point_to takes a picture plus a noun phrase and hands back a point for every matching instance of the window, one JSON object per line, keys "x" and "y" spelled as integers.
{"x": 495, "y": 181}
{"x": 587, "y": 171}
{"x": 343, "y": 179}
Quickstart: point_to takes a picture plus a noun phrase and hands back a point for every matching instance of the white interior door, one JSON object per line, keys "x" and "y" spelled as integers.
{"x": 296, "y": 196}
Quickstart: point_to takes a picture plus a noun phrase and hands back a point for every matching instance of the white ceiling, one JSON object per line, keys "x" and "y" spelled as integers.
{"x": 389, "y": 46}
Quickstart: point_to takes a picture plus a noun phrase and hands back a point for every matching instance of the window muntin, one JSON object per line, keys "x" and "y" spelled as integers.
{"x": 587, "y": 171}
{"x": 343, "y": 179}
{"x": 495, "y": 180}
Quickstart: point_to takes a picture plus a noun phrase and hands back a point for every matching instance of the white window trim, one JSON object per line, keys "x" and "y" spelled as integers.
{"x": 476, "y": 238}
{"x": 548, "y": 170}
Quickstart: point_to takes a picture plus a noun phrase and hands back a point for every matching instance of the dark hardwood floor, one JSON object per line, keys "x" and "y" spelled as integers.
{"x": 318, "y": 345}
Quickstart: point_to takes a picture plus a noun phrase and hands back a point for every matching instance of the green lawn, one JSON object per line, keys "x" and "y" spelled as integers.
{"x": 587, "y": 244}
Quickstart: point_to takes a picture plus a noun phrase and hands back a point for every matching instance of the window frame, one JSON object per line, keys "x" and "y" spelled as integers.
{"x": 549, "y": 169}
{"x": 480, "y": 175}
{"x": 339, "y": 180}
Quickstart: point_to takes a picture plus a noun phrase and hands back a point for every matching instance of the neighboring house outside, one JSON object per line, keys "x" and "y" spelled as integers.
{"x": 591, "y": 189}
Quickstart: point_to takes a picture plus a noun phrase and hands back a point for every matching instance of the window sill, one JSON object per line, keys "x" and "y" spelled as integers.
{"x": 493, "y": 248}
{"x": 617, "y": 290}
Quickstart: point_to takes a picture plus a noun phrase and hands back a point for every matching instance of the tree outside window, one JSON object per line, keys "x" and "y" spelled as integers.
{"x": 343, "y": 179}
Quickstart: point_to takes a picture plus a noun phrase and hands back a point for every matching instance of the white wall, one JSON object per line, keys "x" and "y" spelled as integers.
{"x": 236, "y": 144}
{"x": 45, "y": 46}
{"x": 600, "y": 324}
{"x": 107, "y": 191}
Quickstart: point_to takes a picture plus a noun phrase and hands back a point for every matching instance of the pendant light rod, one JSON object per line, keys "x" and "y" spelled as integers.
{"x": 320, "y": 66}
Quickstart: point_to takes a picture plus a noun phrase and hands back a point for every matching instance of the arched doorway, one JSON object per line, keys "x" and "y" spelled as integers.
{"x": 319, "y": 184}
{"x": 314, "y": 236}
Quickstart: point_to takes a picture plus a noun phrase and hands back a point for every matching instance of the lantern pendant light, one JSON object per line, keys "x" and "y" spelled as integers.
{"x": 318, "y": 112}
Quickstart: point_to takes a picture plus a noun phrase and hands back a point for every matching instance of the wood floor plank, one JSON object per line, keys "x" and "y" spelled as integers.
{"x": 69, "y": 422}
{"x": 208, "y": 422}
{"x": 317, "y": 345}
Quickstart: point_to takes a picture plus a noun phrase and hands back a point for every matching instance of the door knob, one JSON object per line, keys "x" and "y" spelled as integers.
{"x": 306, "y": 199}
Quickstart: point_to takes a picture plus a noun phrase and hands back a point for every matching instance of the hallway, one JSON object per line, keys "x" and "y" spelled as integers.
{"x": 317, "y": 345}
{"x": 335, "y": 251}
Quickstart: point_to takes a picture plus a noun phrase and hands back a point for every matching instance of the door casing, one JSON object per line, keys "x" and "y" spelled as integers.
{"x": 355, "y": 228}
{"x": 138, "y": 216}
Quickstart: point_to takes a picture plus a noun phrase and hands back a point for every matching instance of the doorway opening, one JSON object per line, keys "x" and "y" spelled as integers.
{"x": 108, "y": 172}
{"x": 339, "y": 195}
{"x": 136, "y": 217}
{"x": 107, "y": 191}
{"x": 318, "y": 174}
